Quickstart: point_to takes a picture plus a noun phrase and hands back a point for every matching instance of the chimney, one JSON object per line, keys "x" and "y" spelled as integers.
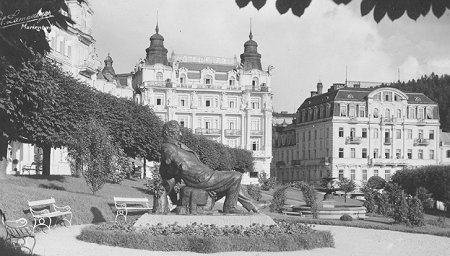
{"x": 319, "y": 88}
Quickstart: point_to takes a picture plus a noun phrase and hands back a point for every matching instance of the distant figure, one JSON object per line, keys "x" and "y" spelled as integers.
{"x": 178, "y": 161}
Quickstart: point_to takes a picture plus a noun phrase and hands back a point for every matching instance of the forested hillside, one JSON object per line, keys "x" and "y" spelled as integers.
{"x": 436, "y": 88}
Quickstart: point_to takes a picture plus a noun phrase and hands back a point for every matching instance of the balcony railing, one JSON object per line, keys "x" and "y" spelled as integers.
{"x": 353, "y": 120}
{"x": 256, "y": 133}
{"x": 389, "y": 120}
{"x": 204, "y": 131}
{"x": 88, "y": 67}
{"x": 353, "y": 140}
{"x": 388, "y": 161}
{"x": 421, "y": 142}
{"x": 233, "y": 132}
{"x": 421, "y": 122}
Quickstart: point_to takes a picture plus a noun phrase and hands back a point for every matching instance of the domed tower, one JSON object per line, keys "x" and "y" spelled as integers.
{"x": 108, "y": 69}
{"x": 251, "y": 59}
{"x": 156, "y": 53}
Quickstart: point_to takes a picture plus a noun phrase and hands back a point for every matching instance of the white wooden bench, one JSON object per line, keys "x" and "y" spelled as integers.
{"x": 125, "y": 204}
{"x": 46, "y": 209}
{"x": 17, "y": 232}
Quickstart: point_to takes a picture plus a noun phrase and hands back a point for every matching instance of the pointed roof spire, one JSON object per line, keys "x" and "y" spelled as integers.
{"x": 250, "y": 35}
{"x": 157, "y": 28}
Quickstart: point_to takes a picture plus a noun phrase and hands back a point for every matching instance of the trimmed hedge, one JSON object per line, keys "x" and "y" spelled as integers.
{"x": 203, "y": 239}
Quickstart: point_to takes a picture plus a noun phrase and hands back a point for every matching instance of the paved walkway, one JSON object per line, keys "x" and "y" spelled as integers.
{"x": 348, "y": 241}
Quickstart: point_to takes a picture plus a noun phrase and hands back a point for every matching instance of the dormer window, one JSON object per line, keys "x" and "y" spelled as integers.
{"x": 255, "y": 82}
{"x": 159, "y": 76}
{"x": 232, "y": 81}
{"x": 208, "y": 79}
{"x": 182, "y": 79}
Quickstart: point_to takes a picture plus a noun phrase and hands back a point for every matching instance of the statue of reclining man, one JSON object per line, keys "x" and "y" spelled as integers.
{"x": 178, "y": 161}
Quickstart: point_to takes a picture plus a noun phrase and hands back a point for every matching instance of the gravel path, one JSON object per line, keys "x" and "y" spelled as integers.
{"x": 348, "y": 242}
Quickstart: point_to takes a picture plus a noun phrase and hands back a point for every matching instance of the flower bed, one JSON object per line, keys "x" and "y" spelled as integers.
{"x": 210, "y": 238}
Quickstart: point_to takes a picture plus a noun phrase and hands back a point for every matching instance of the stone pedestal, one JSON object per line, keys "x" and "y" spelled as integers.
{"x": 218, "y": 220}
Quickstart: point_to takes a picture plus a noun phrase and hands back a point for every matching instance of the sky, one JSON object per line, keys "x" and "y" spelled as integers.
{"x": 319, "y": 46}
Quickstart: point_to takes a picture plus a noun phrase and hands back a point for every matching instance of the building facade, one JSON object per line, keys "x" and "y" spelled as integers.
{"x": 357, "y": 133}
{"x": 226, "y": 100}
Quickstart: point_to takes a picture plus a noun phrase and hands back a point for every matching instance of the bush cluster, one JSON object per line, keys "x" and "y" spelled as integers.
{"x": 346, "y": 217}
{"x": 254, "y": 191}
{"x": 278, "y": 199}
{"x": 209, "y": 238}
{"x": 267, "y": 183}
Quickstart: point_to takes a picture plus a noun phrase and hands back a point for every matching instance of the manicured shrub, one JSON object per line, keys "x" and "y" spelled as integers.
{"x": 376, "y": 182}
{"x": 278, "y": 199}
{"x": 415, "y": 212}
{"x": 346, "y": 217}
{"x": 309, "y": 194}
{"x": 210, "y": 238}
{"x": 254, "y": 191}
{"x": 267, "y": 183}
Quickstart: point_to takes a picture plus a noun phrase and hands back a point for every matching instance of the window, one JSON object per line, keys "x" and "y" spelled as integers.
{"x": 375, "y": 133}
{"x": 387, "y": 113}
{"x": 352, "y": 132}
{"x": 409, "y": 134}
{"x": 352, "y": 153}
{"x": 159, "y": 76}
{"x": 448, "y": 153}
{"x": 341, "y": 152}
{"x": 315, "y": 134}
{"x": 255, "y": 82}
{"x": 399, "y": 113}
{"x": 377, "y": 96}
{"x": 375, "y": 153}
{"x": 341, "y": 132}
{"x": 352, "y": 111}
{"x": 208, "y": 103}
{"x": 387, "y": 96}
{"x": 182, "y": 123}
{"x": 232, "y": 103}
{"x": 420, "y": 113}
{"x": 398, "y": 134}
{"x": 430, "y": 113}
{"x": 420, "y": 153}
{"x": 420, "y": 134}
{"x": 69, "y": 50}
{"x": 343, "y": 111}
{"x": 375, "y": 113}
{"x": 255, "y": 124}
{"x": 387, "y": 153}
{"x": 159, "y": 101}
{"x": 364, "y": 153}
{"x": 341, "y": 174}
{"x": 182, "y": 79}
{"x": 255, "y": 145}
{"x": 362, "y": 111}
{"x": 208, "y": 79}
{"x": 364, "y": 133}
{"x": 255, "y": 103}
{"x": 328, "y": 133}
{"x": 352, "y": 174}
{"x": 364, "y": 175}
{"x": 412, "y": 113}
{"x": 409, "y": 153}
{"x": 398, "y": 153}
{"x": 375, "y": 172}
{"x": 232, "y": 81}
{"x": 387, "y": 175}
{"x": 396, "y": 97}
{"x": 431, "y": 154}
{"x": 61, "y": 47}
{"x": 431, "y": 135}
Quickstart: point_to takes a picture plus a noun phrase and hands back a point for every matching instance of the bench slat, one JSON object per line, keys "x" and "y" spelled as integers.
{"x": 126, "y": 199}
{"x": 41, "y": 202}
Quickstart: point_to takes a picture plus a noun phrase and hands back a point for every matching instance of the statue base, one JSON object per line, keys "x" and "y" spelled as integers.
{"x": 218, "y": 220}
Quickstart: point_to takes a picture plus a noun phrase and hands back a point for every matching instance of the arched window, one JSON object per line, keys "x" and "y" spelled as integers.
{"x": 255, "y": 82}
{"x": 183, "y": 79}
{"x": 208, "y": 79}
{"x": 232, "y": 81}
{"x": 387, "y": 113}
{"x": 159, "y": 76}
{"x": 375, "y": 113}
{"x": 448, "y": 153}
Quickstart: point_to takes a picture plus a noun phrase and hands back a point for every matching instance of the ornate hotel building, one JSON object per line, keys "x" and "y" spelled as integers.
{"x": 357, "y": 133}
{"x": 221, "y": 98}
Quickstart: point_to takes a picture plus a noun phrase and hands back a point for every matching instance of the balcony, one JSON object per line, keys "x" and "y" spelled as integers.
{"x": 421, "y": 142}
{"x": 421, "y": 122}
{"x": 388, "y": 121}
{"x": 204, "y": 131}
{"x": 388, "y": 161}
{"x": 233, "y": 132}
{"x": 296, "y": 162}
{"x": 256, "y": 133}
{"x": 387, "y": 141}
{"x": 88, "y": 68}
{"x": 353, "y": 140}
{"x": 353, "y": 120}
{"x": 154, "y": 84}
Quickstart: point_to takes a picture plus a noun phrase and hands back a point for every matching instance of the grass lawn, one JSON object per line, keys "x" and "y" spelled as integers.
{"x": 15, "y": 191}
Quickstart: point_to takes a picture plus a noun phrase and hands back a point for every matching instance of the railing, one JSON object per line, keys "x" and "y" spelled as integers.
{"x": 233, "y": 132}
{"x": 389, "y": 120}
{"x": 203, "y": 131}
{"x": 353, "y": 140}
{"x": 353, "y": 120}
{"x": 296, "y": 162}
{"x": 421, "y": 122}
{"x": 388, "y": 161}
{"x": 256, "y": 133}
{"x": 421, "y": 142}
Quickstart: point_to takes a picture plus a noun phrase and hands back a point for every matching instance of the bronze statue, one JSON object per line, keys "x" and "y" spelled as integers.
{"x": 178, "y": 161}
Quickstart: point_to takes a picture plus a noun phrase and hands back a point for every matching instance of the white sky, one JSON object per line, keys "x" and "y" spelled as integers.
{"x": 303, "y": 50}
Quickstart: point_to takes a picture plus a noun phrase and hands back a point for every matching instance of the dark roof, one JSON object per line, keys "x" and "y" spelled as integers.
{"x": 192, "y": 75}
{"x": 319, "y": 99}
{"x": 418, "y": 98}
{"x": 201, "y": 66}
{"x": 221, "y": 77}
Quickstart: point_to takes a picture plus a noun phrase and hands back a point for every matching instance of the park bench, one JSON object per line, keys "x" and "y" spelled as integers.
{"x": 46, "y": 209}
{"x": 31, "y": 168}
{"x": 125, "y": 204}
{"x": 17, "y": 232}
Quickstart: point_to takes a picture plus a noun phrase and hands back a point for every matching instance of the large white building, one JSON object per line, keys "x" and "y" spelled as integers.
{"x": 221, "y": 98}
{"x": 357, "y": 133}
{"x": 74, "y": 51}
